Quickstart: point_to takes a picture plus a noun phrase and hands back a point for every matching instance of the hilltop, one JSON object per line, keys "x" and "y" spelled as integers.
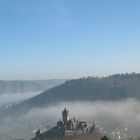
{"x": 114, "y": 87}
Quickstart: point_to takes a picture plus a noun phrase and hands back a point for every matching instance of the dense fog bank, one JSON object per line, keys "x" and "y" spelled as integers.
{"x": 106, "y": 114}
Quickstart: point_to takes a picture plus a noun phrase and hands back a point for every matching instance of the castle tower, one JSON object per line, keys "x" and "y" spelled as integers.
{"x": 65, "y": 116}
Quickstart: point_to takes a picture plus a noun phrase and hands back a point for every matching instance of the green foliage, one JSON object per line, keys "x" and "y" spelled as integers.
{"x": 104, "y": 138}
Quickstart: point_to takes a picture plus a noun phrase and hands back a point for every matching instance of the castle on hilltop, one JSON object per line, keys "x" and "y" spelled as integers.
{"x": 70, "y": 129}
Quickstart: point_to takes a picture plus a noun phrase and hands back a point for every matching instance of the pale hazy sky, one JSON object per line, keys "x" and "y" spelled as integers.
{"x": 44, "y": 39}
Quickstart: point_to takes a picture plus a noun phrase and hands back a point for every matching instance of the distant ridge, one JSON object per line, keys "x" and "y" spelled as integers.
{"x": 24, "y": 86}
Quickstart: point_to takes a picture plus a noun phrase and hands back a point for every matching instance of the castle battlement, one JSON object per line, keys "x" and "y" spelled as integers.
{"x": 69, "y": 128}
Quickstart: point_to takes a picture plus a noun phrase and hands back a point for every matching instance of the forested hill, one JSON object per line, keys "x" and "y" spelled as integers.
{"x": 114, "y": 87}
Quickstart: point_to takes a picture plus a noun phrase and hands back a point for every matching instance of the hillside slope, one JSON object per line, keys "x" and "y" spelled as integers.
{"x": 115, "y": 87}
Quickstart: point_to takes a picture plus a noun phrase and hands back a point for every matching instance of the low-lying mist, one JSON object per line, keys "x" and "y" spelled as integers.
{"x": 9, "y": 98}
{"x": 106, "y": 114}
